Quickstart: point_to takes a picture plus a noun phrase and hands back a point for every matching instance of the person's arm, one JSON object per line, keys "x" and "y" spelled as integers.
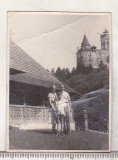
{"x": 69, "y": 100}
{"x": 56, "y": 98}
{"x": 51, "y": 102}
{"x": 50, "y": 99}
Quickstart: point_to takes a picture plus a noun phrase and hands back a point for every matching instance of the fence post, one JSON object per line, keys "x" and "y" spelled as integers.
{"x": 24, "y": 111}
{"x": 44, "y": 113}
{"x": 86, "y": 120}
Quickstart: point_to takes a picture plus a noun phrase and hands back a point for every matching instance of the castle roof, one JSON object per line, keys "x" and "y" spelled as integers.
{"x": 105, "y": 31}
{"x": 85, "y": 41}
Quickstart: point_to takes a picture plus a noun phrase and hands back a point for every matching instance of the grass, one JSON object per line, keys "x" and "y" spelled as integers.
{"x": 43, "y": 140}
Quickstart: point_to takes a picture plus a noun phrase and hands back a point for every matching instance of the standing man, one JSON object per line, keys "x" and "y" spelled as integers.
{"x": 66, "y": 99}
{"x": 52, "y": 96}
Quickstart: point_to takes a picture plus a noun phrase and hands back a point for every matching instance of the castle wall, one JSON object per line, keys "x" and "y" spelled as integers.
{"x": 94, "y": 57}
{"x": 102, "y": 56}
{"x": 83, "y": 57}
{"x": 87, "y": 58}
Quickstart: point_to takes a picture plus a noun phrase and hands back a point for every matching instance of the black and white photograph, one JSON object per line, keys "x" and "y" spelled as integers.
{"x": 59, "y": 81}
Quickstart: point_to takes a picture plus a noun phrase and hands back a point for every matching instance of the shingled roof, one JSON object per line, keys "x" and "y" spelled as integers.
{"x": 31, "y": 72}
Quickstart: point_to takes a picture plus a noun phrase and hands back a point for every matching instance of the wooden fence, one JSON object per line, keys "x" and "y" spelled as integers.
{"x": 18, "y": 114}
{"x": 23, "y": 114}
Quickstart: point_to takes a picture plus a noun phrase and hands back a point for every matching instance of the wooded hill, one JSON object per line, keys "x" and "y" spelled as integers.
{"x": 84, "y": 79}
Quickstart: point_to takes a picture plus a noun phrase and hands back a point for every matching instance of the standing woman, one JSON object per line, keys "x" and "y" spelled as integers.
{"x": 61, "y": 113}
{"x": 52, "y": 96}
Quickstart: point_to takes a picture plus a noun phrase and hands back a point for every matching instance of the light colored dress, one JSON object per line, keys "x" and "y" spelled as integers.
{"x": 61, "y": 107}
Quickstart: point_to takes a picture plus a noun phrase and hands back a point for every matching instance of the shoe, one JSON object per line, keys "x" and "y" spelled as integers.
{"x": 62, "y": 134}
{"x": 52, "y": 133}
{"x": 58, "y": 133}
{"x": 68, "y": 133}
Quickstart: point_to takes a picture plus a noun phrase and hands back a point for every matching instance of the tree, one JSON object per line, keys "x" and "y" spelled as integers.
{"x": 67, "y": 73}
{"x": 84, "y": 69}
{"x": 73, "y": 71}
{"x": 52, "y": 71}
{"x": 58, "y": 72}
{"x": 81, "y": 68}
{"x": 90, "y": 68}
{"x": 102, "y": 66}
{"x": 63, "y": 74}
{"x": 107, "y": 59}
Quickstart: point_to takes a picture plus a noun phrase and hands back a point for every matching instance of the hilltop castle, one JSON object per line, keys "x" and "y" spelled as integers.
{"x": 89, "y": 55}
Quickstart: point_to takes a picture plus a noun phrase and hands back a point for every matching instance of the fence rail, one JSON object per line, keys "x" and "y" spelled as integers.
{"x": 19, "y": 114}
{"x": 23, "y": 113}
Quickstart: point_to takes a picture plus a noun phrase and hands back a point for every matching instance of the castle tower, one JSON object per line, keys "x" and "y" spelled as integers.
{"x": 85, "y": 44}
{"x": 104, "y": 40}
{"x": 84, "y": 53}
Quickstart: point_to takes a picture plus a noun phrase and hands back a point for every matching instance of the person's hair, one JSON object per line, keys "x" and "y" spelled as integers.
{"x": 58, "y": 94}
{"x": 51, "y": 87}
{"x": 61, "y": 86}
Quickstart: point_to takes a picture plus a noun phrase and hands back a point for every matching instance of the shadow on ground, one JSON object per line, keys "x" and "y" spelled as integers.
{"x": 40, "y": 131}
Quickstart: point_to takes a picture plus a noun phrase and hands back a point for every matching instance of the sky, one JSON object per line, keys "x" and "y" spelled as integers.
{"x": 52, "y": 39}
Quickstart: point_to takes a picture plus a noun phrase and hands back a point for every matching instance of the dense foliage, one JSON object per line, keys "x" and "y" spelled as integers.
{"x": 85, "y": 83}
{"x": 84, "y": 79}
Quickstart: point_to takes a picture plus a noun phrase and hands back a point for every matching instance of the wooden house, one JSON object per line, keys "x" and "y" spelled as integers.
{"x": 29, "y": 86}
